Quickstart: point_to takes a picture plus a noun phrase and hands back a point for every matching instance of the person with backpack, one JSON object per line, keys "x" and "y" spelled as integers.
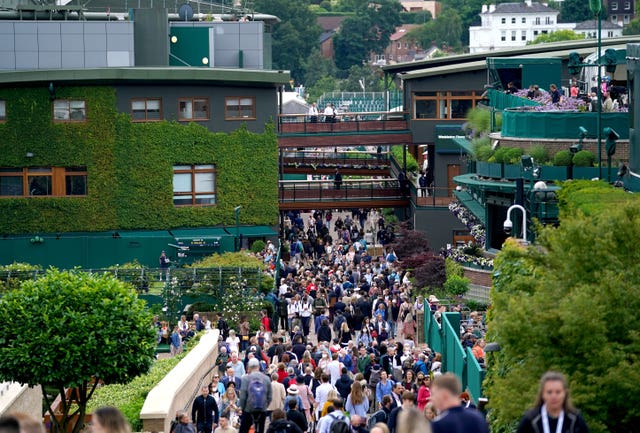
{"x": 335, "y": 421}
{"x": 283, "y": 312}
{"x": 255, "y": 396}
{"x": 280, "y": 423}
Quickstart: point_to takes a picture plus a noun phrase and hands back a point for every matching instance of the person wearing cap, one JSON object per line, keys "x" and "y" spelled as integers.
{"x": 250, "y": 416}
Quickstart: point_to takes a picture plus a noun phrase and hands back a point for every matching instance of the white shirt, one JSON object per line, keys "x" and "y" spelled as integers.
{"x": 329, "y": 111}
{"x": 334, "y": 368}
{"x": 322, "y": 394}
{"x": 313, "y": 110}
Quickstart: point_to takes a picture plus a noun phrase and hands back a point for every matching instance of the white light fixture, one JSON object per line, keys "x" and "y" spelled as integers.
{"x": 508, "y": 224}
{"x": 174, "y": 39}
{"x": 205, "y": 60}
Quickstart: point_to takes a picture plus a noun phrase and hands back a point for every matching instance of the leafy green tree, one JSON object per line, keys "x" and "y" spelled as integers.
{"x": 316, "y": 67}
{"x": 323, "y": 85}
{"x": 419, "y": 17}
{"x": 633, "y": 28}
{"x": 575, "y": 11}
{"x": 445, "y": 31}
{"x": 294, "y": 36}
{"x": 469, "y": 13}
{"x": 365, "y": 32}
{"x": 557, "y": 36}
{"x": 372, "y": 78}
{"x": 565, "y": 304}
{"x": 74, "y": 330}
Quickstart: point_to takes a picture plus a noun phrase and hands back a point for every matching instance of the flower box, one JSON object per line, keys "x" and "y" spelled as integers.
{"x": 512, "y": 171}
{"x": 589, "y": 172}
{"x": 489, "y": 169}
{"x": 548, "y": 172}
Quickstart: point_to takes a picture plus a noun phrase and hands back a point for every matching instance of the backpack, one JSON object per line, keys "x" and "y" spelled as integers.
{"x": 256, "y": 395}
{"x": 282, "y": 307}
{"x": 379, "y": 416}
{"x": 339, "y": 425}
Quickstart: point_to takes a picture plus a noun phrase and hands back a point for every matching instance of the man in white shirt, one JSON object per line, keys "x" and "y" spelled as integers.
{"x": 305, "y": 313}
{"x": 334, "y": 368}
{"x": 313, "y": 113}
{"x": 322, "y": 393}
{"x": 329, "y": 114}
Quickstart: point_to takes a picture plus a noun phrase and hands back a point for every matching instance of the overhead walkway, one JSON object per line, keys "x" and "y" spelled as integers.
{"x": 351, "y": 162}
{"x": 325, "y": 194}
{"x": 347, "y": 129}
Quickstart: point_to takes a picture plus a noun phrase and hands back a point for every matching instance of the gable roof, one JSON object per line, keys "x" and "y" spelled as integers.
{"x": 402, "y": 31}
{"x": 521, "y": 8}
{"x": 331, "y": 22}
{"x": 593, "y": 25}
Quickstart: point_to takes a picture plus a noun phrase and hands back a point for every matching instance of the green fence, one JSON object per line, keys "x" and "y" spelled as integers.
{"x": 445, "y": 339}
{"x": 501, "y": 100}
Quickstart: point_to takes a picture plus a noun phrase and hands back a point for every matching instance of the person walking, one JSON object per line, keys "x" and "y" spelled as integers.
{"x": 445, "y": 394}
{"x": 204, "y": 411}
{"x": 553, "y": 411}
{"x": 255, "y": 396}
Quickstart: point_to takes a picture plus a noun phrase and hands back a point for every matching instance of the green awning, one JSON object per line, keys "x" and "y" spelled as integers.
{"x": 474, "y": 207}
{"x": 464, "y": 144}
{"x": 255, "y": 231}
{"x": 199, "y": 233}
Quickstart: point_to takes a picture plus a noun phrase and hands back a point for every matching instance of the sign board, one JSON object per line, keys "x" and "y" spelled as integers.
{"x": 445, "y": 136}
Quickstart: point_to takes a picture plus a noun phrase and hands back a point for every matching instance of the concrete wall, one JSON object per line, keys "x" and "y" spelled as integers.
{"x": 177, "y": 390}
{"x": 20, "y": 398}
{"x": 65, "y": 44}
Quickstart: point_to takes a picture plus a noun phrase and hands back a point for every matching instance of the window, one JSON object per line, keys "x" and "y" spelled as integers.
{"x": 399, "y": 45}
{"x": 614, "y": 6}
{"x": 503, "y": 36}
{"x": 548, "y": 21}
{"x": 504, "y": 20}
{"x": 444, "y": 105}
{"x": 513, "y": 20}
{"x": 625, "y": 20}
{"x": 3, "y": 110}
{"x": 65, "y": 110}
{"x": 239, "y": 107}
{"x": 614, "y": 19}
{"x": 524, "y": 20}
{"x": 513, "y": 35}
{"x": 194, "y": 185}
{"x": 535, "y": 33}
{"x": 146, "y": 109}
{"x": 193, "y": 109}
{"x": 523, "y": 35}
{"x": 627, "y": 6}
{"x": 43, "y": 181}
{"x": 406, "y": 44}
{"x": 537, "y": 21}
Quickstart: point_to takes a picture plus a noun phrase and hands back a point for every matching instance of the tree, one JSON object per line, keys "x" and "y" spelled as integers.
{"x": 371, "y": 76}
{"x": 565, "y": 304}
{"x": 557, "y": 36}
{"x": 294, "y": 36}
{"x": 575, "y": 11}
{"x": 633, "y": 28}
{"x": 316, "y": 67}
{"x": 365, "y": 32}
{"x": 444, "y": 31}
{"x": 74, "y": 330}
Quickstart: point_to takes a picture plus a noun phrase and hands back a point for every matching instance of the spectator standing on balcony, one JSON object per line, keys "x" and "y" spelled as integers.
{"x": 555, "y": 94}
{"x": 337, "y": 180}
{"x": 164, "y": 265}
{"x": 313, "y": 113}
{"x": 511, "y": 88}
{"x": 422, "y": 182}
{"x": 329, "y": 114}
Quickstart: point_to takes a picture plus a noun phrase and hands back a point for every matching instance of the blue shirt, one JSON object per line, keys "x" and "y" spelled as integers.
{"x": 383, "y": 389}
{"x": 460, "y": 420}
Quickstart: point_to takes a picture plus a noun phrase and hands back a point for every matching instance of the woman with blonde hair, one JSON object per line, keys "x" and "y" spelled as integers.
{"x": 332, "y": 395}
{"x": 345, "y": 334}
{"x": 229, "y": 406}
{"x": 411, "y": 421}
{"x": 357, "y": 402}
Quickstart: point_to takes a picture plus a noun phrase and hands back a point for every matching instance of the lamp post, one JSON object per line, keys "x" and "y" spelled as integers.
{"x": 508, "y": 224}
{"x": 596, "y": 9}
{"x": 237, "y": 243}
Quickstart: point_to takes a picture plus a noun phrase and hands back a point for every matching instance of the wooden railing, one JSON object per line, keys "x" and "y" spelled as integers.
{"x": 376, "y": 121}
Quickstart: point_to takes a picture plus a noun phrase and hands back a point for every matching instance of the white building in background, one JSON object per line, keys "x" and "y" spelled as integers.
{"x": 512, "y": 25}
{"x": 590, "y": 29}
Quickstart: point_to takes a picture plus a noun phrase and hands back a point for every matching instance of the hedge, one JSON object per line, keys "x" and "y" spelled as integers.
{"x": 130, "y": 167}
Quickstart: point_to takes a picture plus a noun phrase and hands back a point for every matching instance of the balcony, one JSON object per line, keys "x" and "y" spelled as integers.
{"x": 348, "y": 162}
{"x": 348, "y": 129}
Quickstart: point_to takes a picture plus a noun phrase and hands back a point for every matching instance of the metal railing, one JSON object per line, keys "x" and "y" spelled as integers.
{"x": 351, "y": 158}
{"x": 371, "y": 121}
{"x": 329, "y": 190}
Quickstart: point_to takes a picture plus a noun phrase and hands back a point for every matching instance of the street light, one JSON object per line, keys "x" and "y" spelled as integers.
{"x": 237, "y": 243}
{"x": 508, "y": 224}
{"x": 596, "y": 9}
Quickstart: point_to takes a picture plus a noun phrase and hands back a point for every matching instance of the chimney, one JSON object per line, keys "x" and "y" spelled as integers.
{"x": 492, "y": 8}
{"x": 484, "y": 9}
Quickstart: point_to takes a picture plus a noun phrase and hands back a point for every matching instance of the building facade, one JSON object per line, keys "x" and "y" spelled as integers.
{"x": 509, "y": 25}
{"x": 621, "y": 12}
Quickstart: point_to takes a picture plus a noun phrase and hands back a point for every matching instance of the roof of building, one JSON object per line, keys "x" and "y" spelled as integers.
{"x": 477, "y": 65}
{"x": 402, "y": 31}
{"x": 593, "y": 25}
{"x": 182, "y": 75}
{"x": 521, "y": 8}
{"x": 330, "y": 22}
{"x": 325, "y": 36}
{"x": 526, "y": 50}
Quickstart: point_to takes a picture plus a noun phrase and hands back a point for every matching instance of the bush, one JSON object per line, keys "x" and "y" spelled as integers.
{"x": 453, "y": 268}
{"x": 412, "y": 164}
{"x": 513, "y": 155}
{"x": 500, "y": 155}
{"x": 258, "y": 246}
{"x": 479, "y": 120}
{"x": 562, "y": 158}
{"x": 584, "y": 158}
{"x": 456, "y": 285}
{"x": 482, "y": 148}
{"x": 539, "y": 154}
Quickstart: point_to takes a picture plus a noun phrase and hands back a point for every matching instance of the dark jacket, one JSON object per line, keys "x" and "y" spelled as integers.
{"x": 283, "y": 425}
{"x": 531, "y": 422}
{"x": 297, "y": 417}
{"x": 204, "y": 410}
{"x": 460, "y": 420}
{"x": 324, "y": 333}
{"x": 343, "y": 385}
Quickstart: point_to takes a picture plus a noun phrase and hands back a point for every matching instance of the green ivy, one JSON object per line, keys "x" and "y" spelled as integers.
{"x": 130, "y": 167}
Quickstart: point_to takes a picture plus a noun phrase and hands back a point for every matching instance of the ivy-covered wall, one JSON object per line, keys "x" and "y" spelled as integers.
{"x": 130, "y": 167}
